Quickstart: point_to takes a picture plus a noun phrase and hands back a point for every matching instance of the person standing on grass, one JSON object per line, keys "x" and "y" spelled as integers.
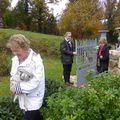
{"x": 67, "y": 53}
{"x": 27, "y": 66}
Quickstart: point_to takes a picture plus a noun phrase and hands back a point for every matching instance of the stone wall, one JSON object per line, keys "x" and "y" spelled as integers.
{"x": 114, "y": 63}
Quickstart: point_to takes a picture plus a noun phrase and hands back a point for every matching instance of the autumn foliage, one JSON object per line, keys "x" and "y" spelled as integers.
{"x": 82, "y": 17}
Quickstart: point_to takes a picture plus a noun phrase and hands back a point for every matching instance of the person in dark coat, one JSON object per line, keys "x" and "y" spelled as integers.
{"x": 67, "y": 53}
{"x": 103, "y": 56}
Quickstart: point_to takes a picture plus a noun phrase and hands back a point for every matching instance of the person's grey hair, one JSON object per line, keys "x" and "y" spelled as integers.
{"x": 18, "y": 40}
{"x": 103, "y": 39}
{"x": 67, "y": 34}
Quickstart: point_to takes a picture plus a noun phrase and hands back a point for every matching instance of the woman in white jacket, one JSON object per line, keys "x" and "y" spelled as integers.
{"x": 27, "y": 77}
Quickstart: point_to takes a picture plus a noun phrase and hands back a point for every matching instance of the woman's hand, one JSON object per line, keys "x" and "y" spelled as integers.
{"x": 12, "y": 89}
{"x": 101, "y": 57}
{"x": 74, "y": 53}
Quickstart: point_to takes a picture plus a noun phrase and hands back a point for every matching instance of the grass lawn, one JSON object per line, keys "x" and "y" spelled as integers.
{"x": 53, "y": 68}
{"x": 35, "y": 38}
{"x": 46, "y": 45}
{"x": 4, "y": 86}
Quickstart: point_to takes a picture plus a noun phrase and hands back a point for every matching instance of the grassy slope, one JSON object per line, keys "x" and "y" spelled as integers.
{"x": 52, "y": 64}
{"x": 43, "y": 43}
{"x": 4, "y": 86}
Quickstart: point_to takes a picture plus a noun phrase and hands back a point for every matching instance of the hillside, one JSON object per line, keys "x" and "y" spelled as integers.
{"x": 47, "y": 45}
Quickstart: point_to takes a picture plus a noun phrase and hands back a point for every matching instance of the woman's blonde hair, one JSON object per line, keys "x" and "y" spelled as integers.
{"x": 103, "y": 40}
{"x": 18, "y": 40}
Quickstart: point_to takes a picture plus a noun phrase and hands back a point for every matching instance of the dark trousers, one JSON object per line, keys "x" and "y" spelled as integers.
{"x": 33, "y": 115}
{"x": 101, "y": 69}
{"x": 66, "y": 72}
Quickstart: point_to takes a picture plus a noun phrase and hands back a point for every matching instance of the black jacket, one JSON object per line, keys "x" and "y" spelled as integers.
{"x": 102, "y": 64}
{"x": 66, "y": 52}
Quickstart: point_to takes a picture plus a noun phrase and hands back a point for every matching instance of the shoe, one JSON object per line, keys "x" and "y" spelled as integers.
{"x": 67, "y": 83}
{"x": 71, "y": 83}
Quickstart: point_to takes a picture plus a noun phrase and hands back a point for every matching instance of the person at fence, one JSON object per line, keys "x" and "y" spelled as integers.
{"x": 67, "y": 53}
{"x": 27, "y": 80}
{"x": 103, "y": 56}
{"x": 118, "y": 45}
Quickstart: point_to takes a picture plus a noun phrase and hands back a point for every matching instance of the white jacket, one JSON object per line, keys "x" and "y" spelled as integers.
{"x": 35, "y": 87}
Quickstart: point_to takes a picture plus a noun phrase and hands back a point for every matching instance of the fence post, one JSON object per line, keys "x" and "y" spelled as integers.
{"x": 103, "y": 33}
{"x": 118, "y": 40}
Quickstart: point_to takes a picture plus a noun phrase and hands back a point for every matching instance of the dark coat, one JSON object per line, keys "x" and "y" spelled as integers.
{"x": 102, "y": 64}
{"x": 66, "y": 52}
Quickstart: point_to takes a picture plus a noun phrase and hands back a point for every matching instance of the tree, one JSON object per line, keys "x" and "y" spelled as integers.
{"x": 117, "y": 16}
{"x": 4, "y": 4}
{"x": 52, "y": 1}
{"x": 9, "y": 19}
{"x": 22, "y": 15}
{"x": 72, "y": 0}
{"x": 51, "y": 25}
{"x": 111, "y": 11}
{"x": 82, "y": 18}
{"x": 39, "y": 13}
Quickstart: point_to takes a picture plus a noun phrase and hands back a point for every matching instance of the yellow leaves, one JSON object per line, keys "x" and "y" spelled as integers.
{"x": 117, "y": 16}
{"x": 82, "y": 16}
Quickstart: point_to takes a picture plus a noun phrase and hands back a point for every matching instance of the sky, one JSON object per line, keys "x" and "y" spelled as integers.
{"x": 56, "y": 8}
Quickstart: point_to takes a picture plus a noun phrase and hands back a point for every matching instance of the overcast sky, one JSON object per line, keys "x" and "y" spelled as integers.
{"x": 57, "y": 8}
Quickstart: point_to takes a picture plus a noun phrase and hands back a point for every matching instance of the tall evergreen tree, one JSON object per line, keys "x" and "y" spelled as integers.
{"x": 22, "y": 15}
{"x": 39, "y": 13}
{"x": 4, "y": 4}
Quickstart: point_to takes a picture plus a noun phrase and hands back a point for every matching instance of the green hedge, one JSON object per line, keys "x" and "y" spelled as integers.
{"x": 99, "y": 99}
{"x": 9, "y": 110}
{"x": 53, "y": 86}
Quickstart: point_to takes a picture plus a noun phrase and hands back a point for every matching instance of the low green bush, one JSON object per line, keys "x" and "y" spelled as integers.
{"x": 9, "y": 110}
{"x": 53, "y": 86}
{"x": 99, "y": 99}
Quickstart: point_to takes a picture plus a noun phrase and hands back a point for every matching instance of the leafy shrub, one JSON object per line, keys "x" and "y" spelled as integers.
{"x": 99, "y": 99}
{"x": 9, "y": 110}
{"x": 53, "y": 86}
{"x": 89, "y": 75}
